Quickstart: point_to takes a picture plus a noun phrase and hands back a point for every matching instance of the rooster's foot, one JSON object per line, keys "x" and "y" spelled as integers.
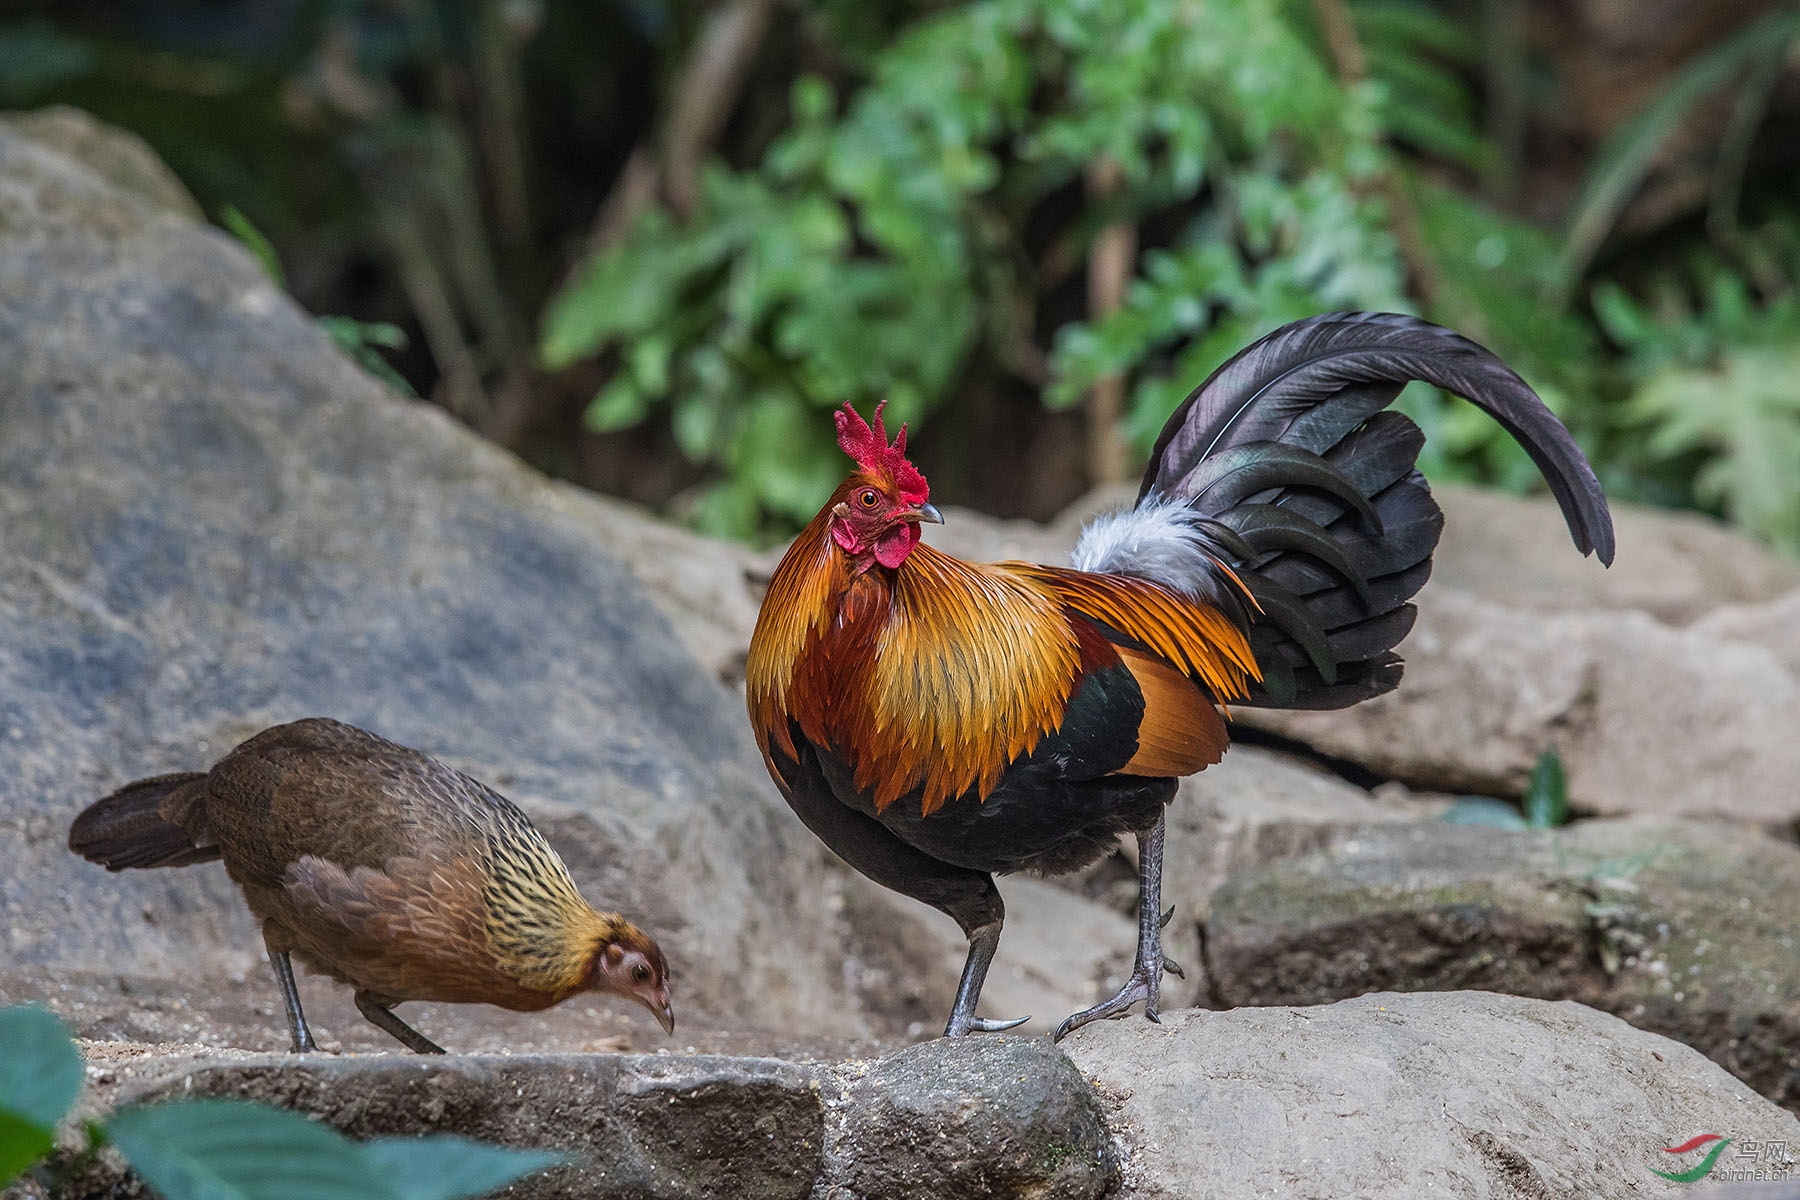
{"x": 1144, "y": 984}
{"x": 983, "y": 941}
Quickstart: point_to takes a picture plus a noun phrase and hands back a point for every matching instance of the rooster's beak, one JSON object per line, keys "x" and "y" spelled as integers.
{"x": 925, "y": 512}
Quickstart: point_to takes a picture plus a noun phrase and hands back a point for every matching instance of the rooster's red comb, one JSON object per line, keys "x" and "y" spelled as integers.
{"x": 870, "y": 448}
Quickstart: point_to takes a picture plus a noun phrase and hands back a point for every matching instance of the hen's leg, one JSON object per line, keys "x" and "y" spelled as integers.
{"x": 383, "y": 1016}
{"x": 1146, "y": 974}
{"x": 290, "y": 996}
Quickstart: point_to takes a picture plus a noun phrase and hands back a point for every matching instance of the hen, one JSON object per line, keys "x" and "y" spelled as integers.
{"x": 384, "y": 869}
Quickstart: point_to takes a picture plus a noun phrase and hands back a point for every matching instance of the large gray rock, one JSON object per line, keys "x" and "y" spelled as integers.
{"x": 1466, "y": 1095}
{"x": 121, "y": 158}
{"x": 660, "y": 1128}
{"x": 214, "y": 522}
{"x": 1679, "y": 927}
{"x": 995, "y": 1117}
{"x": 1648, "y": 718}
{"x": 1676, "y": 566}
{"x": 1253, "y": 808}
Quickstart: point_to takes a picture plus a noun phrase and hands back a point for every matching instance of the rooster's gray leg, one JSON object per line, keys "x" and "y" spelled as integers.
{"x": 1146, "y": 974}
{"x": 290, "y": 996}
{"x": 982, "y": 944}
{"x": 383, "y": 1016}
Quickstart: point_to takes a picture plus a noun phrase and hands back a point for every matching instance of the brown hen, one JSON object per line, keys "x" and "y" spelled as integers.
{"x": 385, "y": 869}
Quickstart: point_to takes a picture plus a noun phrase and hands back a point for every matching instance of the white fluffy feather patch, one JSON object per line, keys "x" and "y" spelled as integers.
{"x": 1163, "y": 541}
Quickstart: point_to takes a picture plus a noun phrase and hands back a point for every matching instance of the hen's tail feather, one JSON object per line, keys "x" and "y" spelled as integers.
{"x": 159, "y": 822}
{"x": 1291, "y": 449}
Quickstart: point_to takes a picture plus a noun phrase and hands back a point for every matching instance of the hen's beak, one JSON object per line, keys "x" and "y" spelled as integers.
{"x": 924, "y": 513}
{"x": 660, "y": 1008}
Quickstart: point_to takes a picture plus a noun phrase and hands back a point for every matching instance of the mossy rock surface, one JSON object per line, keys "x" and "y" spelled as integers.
{"x": 1686, "y": 928}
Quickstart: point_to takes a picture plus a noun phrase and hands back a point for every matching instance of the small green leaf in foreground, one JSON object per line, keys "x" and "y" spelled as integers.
{"x": 40, "y": 1076}
{"x": 235, "y": 1150}
{"x": 256, "y": 242}
{"x": 21, "y": 1144}
{"x": 447, "y": 1167}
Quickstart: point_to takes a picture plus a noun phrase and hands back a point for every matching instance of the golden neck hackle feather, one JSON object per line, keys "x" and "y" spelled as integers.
{"x": 542, "y": 932}
{"x": 939, "y": 673}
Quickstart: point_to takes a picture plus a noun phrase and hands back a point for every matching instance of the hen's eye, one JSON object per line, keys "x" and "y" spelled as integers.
{"x": 868, "y": 498}
{"x": 640, "y": 974}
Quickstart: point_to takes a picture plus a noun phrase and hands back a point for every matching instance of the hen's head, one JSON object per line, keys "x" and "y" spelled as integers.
{"x": 875, "y": 513}
{"x": 629, "y": 963}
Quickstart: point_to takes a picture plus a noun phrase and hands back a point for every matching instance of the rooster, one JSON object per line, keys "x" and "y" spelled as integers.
{"x": 936, "y": 722}
{"x": 385, "y": 869}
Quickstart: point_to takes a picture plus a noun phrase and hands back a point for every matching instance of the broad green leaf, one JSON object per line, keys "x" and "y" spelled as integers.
{"x": 447, "y": 1167}
{"x": 235, "y": 1150}
{"x": 40, "y": 1076}
{"x": 619, "y": 405}
{"x": 40, "y": 1069}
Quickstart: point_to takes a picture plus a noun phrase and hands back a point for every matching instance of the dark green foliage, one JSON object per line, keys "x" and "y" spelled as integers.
{"x": 364, "y": 341}
{"x": 902, "y": 197}
{"x": 1746, "y": 62}
{"x": 1712, "y": 356}
{"x": 230, "y": 1149}
{"x": 880, "y": 244}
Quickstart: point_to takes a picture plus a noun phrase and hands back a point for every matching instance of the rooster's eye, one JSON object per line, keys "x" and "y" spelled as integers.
{"x": 868, "y": 498}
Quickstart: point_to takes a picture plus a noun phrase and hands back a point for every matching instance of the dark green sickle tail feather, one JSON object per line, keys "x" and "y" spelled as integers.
{"x": 1287, "y": 467}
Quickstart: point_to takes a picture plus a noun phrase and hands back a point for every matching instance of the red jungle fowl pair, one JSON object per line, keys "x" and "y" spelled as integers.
{"x": 934, "y": 722}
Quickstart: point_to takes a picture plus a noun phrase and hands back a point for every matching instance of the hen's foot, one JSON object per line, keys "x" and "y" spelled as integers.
{"x": 383, "y": 1016}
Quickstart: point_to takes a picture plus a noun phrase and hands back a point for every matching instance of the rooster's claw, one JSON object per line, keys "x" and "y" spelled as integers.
{"x": 985, "y": 1025}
